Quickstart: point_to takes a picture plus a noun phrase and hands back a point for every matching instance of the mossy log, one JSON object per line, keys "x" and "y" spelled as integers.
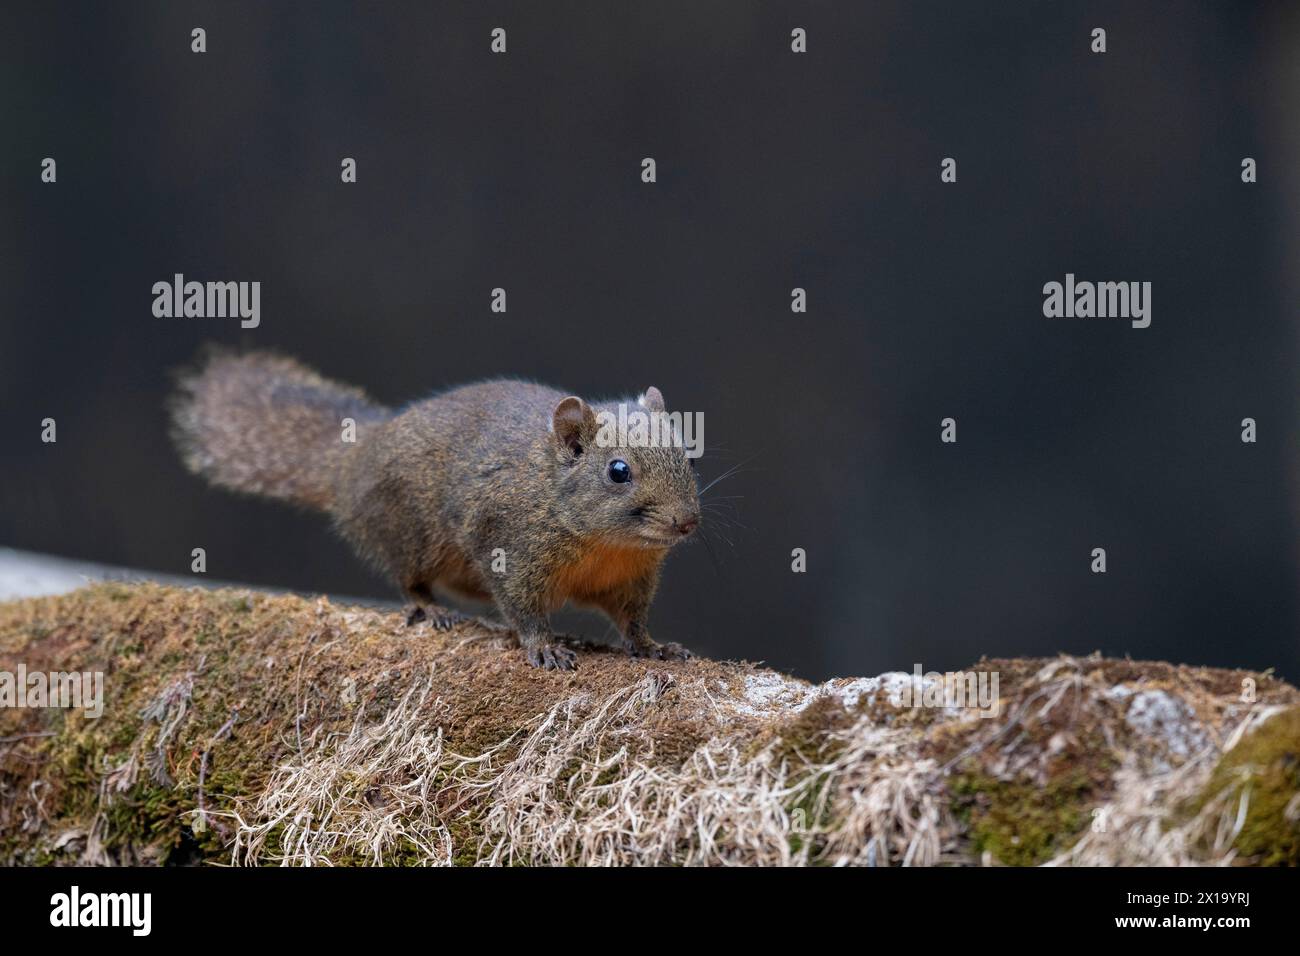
{"x": 239, "y": 727}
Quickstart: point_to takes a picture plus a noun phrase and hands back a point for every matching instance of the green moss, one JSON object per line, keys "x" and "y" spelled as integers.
{"x": 282, "y": 664}
{"x": 1020, "y": 822}
{"x": 1266, "y": 764}
{"x": 809, "y": 814}
{"x": 266, "y": 658}
{"x": 809, "y": 737}
{"x": 466, "y": 839}
{"x": 804, "y": 744}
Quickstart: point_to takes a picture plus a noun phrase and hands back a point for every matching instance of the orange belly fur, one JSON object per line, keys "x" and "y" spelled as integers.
{"x": 602, "y": 568}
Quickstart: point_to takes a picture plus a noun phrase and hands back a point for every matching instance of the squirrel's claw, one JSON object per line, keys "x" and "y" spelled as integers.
{"x": 656, "y": 651}
{"x": 552, "y": 657}
{"x": 674, "y": 652}
{"x": 445, "y": 620}
{"x": 441, "y": 619}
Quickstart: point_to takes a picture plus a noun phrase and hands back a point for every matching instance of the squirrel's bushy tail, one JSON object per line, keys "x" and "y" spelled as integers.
{"x": 264, "y": 424}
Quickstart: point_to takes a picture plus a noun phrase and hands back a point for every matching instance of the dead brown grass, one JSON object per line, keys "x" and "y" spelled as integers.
{"x": 253, "y": 729}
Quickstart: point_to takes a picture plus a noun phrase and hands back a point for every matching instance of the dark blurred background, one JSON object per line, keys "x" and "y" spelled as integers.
{"x": 775, "y": 170}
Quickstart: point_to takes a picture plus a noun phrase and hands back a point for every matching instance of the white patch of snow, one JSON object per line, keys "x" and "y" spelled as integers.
{"x": 766, "y": 692}
{"x": 891, "y": 684}
{"x": 1159, "y": 716}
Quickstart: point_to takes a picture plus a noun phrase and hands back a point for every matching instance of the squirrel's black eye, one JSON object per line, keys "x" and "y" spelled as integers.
{"x": 619, "y": 471}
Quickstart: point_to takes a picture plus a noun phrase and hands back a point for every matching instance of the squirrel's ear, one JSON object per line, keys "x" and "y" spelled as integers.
{"x": 574, "y": 423}
{"x": 652, "y": 400}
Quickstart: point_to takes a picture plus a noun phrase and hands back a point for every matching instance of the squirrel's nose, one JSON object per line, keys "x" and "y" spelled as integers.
{"x": 687, "y": 525}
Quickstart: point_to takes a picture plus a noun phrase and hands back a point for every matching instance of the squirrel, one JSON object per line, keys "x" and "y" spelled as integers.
{"x": 496, "y": 491}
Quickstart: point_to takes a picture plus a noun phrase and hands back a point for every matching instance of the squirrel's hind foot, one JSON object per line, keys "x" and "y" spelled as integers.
{"x": 442, "y": 618}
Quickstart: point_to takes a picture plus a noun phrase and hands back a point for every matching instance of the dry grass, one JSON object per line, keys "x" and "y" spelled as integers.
{"x": 253, "y": 730}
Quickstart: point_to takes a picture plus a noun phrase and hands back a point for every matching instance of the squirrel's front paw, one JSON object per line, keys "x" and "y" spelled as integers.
{"x": 553, "y": 657}
{"x": 657, "y": 651}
